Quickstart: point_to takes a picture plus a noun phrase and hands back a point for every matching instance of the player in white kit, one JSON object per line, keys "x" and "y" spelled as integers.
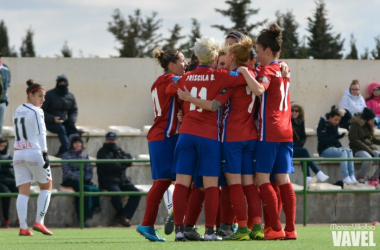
{"x": 30, "y": 160}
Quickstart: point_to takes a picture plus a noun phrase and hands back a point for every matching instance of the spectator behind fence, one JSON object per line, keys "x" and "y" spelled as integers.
{"x": 373, "y": 101}
{"x": 299, "y": 139}
{"x": 5, "y": 80}
{"x": 112, "y": 177}
{"x": 362, "y": 138}
{"x": 70, "y": 177}
{"x": 7, "y": 181}
{"x": 329, "y": 145}
{"x": 61, "y": 112}
{"x": 352, "y": 100}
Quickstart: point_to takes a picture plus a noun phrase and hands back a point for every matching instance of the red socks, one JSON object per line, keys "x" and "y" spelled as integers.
{"x": 211, "y": 209}
{"x": 179, "y": 203}
{"x": 153, "y": 200}
{"x": 239, "y": 204}
{"x": 268, "y": 196}
{"x": 289, "y": 202}
{"x": 226, "y": 213}
{"x": 194, "y": 206}
{"x": 254, "y": 204}
{"x": 279, "y": 203}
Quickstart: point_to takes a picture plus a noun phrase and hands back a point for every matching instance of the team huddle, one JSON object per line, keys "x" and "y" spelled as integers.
{"x": 223, "y": 132}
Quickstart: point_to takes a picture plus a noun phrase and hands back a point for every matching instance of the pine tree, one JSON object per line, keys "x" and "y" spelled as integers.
{"x": 27, "y": 46}
{"x": 4, "y": 47}
{"x": 174, "y": 38}
{"x": 239, "y": 13}
{"x": 290, "y": 45}
{"x": 138, "y": 37}
{"x": 376, "y": 52}
{"x": 354, "y": 52}
{"x": 322, "y": 43}
{"x": 365, "y": 55}
{"x": 194, "y": 34}
{"x": 66, "y": 51}
{"x": 149, "y": 36}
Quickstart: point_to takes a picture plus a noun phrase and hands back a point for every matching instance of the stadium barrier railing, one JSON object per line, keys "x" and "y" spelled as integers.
{"x": 81, "y": 194}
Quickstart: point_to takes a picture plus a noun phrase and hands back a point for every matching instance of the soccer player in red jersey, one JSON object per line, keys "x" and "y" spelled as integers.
{"x": 239, "y": 136}
{"x": 198, "y": 149}
{"x": 162, "y": 137}
{"x": 275, "y": 148}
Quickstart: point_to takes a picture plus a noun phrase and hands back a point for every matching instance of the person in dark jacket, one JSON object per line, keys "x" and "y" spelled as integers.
{"x": 112, "y": 177}
{"x": 362, "y": 141}
{"x": 70, "y": 177}
{"x": 299, "y": 139}
{"x": 329, "y": 145}
{"x": 61, "y": 112}
{"x": 5, "y": 80}
{"x": 7, "y": 181}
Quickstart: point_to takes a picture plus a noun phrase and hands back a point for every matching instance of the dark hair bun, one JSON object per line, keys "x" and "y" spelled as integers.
{"x": 29, "y": 82}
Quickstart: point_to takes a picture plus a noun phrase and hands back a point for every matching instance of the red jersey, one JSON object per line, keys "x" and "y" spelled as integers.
{"x": 166, "y": 108}
{"x": 275, "y": 108}
{"x": 205, "y": 83}
{"x": 238, "y": 122}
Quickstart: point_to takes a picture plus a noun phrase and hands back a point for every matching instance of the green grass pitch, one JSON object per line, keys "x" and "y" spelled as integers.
{"x": 310, "y": 237}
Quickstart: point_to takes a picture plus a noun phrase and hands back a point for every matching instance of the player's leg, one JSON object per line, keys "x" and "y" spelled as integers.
{"x": 233, "y": 155}
{"x": 43, "y": 202}
{"x": 282, "y": 168}
{"x": 194, "y": 209}
{"x": 23, "y": 181}
{"x": 265, "y": 156}
{"x": 226, "y": 212}
{"x": 44, "y": 178}
{"x": 161, "y": 159}
{"x": 251, "y": 192}
{"x": 209, "y": 153}
{"x": 168, "y": 198}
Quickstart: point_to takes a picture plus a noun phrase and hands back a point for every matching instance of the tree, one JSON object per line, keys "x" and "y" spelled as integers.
{"x": 322, "y": 43}
{"x": 138, "y": 37}
{"x": 27, "y": 46}
{"x": 376, "y": 52}
{"x": 66, "y": 51}
{"x": 354, "y": 52}
{"x": 239, "y": 13}
{"x": 290, "y": 45}
{"x": 195, "y": 33}
{"x": 365, "y": 55}
{"x": 174, "y": 38}
{"x": 4, "y": 47}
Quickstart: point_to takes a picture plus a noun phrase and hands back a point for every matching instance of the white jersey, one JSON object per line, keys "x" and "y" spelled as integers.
{"x": 29, "y": 128}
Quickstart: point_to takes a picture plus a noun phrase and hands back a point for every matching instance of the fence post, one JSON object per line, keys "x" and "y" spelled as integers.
{"x": 304, "y": 166}
{"x": 81, "y": 197}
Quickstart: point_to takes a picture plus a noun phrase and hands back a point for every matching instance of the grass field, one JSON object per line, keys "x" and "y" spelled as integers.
{"x": 310, "y": 237}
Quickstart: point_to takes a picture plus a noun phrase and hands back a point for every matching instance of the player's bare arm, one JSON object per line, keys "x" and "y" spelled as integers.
{"x": 204, "y": 104}
{"x": 253, "y": 85}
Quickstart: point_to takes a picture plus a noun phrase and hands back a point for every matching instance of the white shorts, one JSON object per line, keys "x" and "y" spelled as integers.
{"x": 28, "y": 166}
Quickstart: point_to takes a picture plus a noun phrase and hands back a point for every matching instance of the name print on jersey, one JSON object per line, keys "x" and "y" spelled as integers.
{"x": 199, "y": 78}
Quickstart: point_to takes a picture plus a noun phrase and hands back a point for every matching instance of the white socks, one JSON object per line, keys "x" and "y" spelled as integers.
{"x": 321, "y": 176}
{"x": 42, "y": 205}
{"x": 168, "y": 198}
{"x": 22, "y": 210}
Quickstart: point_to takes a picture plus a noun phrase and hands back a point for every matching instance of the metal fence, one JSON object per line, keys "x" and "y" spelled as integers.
{"x": 81, "y": 194}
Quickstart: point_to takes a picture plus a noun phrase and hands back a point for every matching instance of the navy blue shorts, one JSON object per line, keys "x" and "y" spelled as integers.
{"x": 197, "y": 155}
{"x": 274, "y": 157}
{"x": 238, "y": 156}
{"x": 162, "y": 157}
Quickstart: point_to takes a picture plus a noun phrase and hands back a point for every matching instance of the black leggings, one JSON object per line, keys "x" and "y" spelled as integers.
{"x": 6, "y": 201}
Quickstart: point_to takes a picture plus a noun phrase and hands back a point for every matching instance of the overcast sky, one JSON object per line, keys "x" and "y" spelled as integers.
{"x": 83, "y": 23}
